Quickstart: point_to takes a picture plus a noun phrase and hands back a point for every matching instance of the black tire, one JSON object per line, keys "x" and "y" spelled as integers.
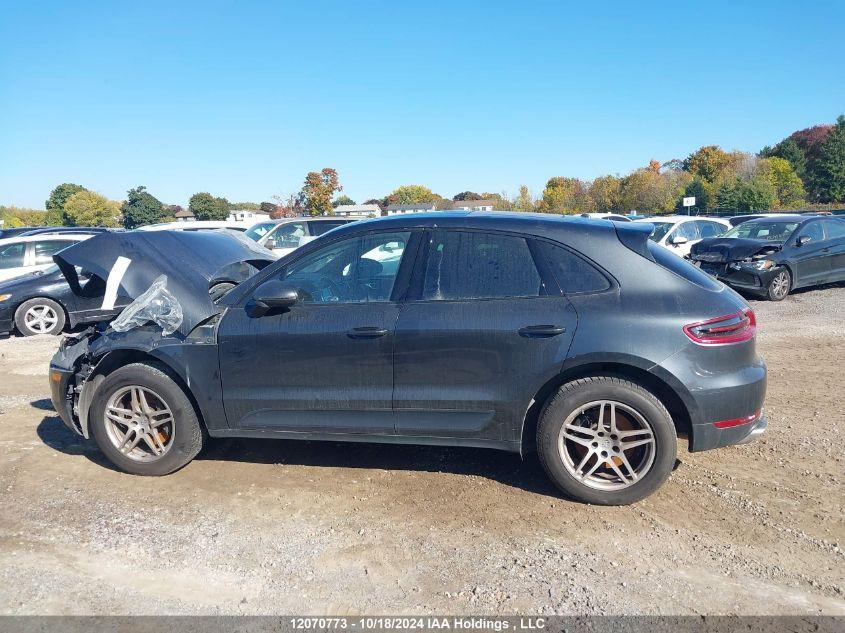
{"x": 576, "y": 394}
{"x": 776, "y": 290}
{"x": 187, "y": 440}
{"x": 53, "y": 322}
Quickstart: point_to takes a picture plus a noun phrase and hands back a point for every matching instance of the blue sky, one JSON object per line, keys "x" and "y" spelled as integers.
{"x": 243, "y": 98}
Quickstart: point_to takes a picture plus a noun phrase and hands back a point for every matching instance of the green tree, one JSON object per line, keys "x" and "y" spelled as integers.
{"x": 652, "y": 191}
{"x": 524, "y": 201}
{"x": 141, "y": 208}
{"x": 88, "y": 208}
{"x": 788, "y": 150}
{"x": 55, "y": 204}
{"x": 204, "y": 206}
{"x": 753, "y": 194}
{"x": 564, "y": 195}
{"x": 342, "y": 200}
{"x": 411, "y": 194}
{"x": 467, "y": 195}
{"x": 606, "y": 193}
{"x": 789, "y": 190}
{"x": 828, "y": 177}
{"x": 707, "y": 163}
{"x": 318, "y": 190}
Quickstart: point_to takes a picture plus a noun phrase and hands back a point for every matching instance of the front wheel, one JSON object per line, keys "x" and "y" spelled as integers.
{"x": 40, "y": 316}
{"x": 607, "y": 441}
{"x": 144, "y": 422}
{"x": 779, "y": 286}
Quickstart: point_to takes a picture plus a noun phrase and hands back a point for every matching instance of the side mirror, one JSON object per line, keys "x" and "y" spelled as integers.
{"x": 270, "y": 244}
{"x": 802, "y": 240}
{"x": 275, "y": 294}
{"x": 677, "y": 241}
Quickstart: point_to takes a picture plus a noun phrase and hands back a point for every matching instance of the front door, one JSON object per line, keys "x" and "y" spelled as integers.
{"x": 481, "y": 332}
{"x": 326, "y": 364}
{"x": 812, "y": 262}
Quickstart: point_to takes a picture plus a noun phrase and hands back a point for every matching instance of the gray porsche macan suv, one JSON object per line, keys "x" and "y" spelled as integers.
{"x": 575, "y": 338}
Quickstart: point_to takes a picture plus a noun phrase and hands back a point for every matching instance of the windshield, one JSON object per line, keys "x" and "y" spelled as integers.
{"x": 257, "y": 231}
{"x": 660, "y": 230}
{"x": 777, "y": 230}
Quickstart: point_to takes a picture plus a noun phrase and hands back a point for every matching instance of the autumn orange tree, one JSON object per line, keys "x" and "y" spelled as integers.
{"x": 318, "y": 191}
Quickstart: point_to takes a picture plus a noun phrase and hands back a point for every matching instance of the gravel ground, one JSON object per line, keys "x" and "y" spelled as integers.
{"x": 287, "y": 527}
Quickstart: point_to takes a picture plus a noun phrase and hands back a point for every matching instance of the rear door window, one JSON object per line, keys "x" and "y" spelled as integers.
{"x": 573, "y": 274}
{"x": 476, "y": 265}
{"x": 710, "y": 229}
{"x": 318, "y": 228}
{"x": 44, "y": 251}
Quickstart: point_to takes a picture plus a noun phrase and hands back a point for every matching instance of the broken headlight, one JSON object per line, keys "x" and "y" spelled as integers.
{"x": 756, "y": 264}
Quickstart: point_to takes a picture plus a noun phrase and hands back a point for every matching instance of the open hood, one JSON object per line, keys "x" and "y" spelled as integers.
{"x": 192, "y": 261}
{"x": 731, "y": 249}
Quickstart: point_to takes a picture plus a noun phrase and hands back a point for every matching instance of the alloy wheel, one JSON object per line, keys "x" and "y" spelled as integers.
{"x": 139, "y": 423}
{"x": 41, "y": 319}
{"x": 780, "y": 285}
{"x": 607, "y": 445}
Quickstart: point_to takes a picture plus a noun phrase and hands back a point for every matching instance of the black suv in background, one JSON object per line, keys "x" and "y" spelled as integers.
{"x": 576, "y": 338}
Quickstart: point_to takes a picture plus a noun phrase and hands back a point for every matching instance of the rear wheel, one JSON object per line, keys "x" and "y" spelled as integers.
{"x": 779, "y": 286}
{"x": 39, "y": 316}
{"x": 144, "y": 422}
{"x": 606, "y": 441}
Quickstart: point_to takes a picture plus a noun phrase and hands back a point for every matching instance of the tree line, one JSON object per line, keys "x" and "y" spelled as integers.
{"x": 804, "y": 169}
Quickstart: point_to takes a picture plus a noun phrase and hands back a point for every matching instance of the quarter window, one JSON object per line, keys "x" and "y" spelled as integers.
{"x": 474, "y": 265}
{"x": 573, "y": 274}
{"x": 355, "y": 270}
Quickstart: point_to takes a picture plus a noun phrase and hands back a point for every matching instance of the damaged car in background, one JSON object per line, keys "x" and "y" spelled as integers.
{"x": 579, "y": 339}
{"x": 771, "y": 256}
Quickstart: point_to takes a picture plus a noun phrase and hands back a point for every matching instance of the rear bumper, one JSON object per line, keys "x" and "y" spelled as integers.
{"x": 756, "y": 431}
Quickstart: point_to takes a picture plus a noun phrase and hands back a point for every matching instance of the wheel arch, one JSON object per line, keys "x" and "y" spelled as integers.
{"x": 115, "y": 359}
{"x": 657, "y": 385}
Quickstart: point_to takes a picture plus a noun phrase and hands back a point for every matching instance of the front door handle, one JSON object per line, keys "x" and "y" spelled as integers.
{"x": 367, "y": 332}
{"x": 541, "y": 331}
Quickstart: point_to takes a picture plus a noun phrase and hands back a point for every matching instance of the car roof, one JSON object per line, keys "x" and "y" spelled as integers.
{"x": 70, "y": 237}
{"x": 307, "y": 218}
{"x": 783, "y": 217}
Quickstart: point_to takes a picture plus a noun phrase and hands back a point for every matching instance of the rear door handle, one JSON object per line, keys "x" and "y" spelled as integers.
{"x": 541, "y": 331}
{"x": 367, "y": 332}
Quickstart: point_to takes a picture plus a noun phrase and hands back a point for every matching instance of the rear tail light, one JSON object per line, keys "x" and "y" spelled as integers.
{"x": 732, "y": 328}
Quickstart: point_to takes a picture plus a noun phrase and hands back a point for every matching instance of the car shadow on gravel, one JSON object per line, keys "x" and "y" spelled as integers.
{"x": 52, "y": 431}
{"x": 506, "y": 468}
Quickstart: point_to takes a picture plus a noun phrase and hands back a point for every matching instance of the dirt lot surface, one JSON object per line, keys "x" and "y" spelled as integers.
{"x": 289, "y": 527}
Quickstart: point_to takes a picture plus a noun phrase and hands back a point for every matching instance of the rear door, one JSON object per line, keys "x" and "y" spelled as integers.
{"x": 483, "y": 328}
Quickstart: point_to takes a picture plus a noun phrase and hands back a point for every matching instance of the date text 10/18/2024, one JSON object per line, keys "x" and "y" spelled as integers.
{"x": 386, "y": 623}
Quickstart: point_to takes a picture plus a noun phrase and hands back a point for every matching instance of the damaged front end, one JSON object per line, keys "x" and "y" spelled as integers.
{"x": 743, "y": 264}
{"x": 175, "y": 279}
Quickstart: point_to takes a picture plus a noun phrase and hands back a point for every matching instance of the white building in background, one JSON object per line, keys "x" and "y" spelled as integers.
{"x": 357, "y": 211}
{"x": 400, "y": 209}
{"x": 475, "y": 205}
{"x": 247, "y": 216}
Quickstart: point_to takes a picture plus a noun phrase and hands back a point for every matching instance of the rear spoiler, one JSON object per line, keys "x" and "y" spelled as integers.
{"x": 634, "y": 235}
